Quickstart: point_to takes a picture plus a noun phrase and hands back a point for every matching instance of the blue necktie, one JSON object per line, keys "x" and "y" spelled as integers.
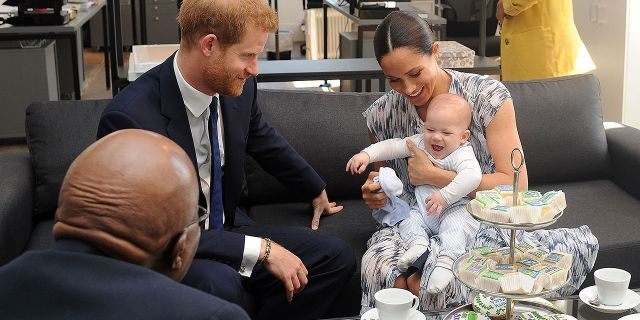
{"x": 216, "y": 211}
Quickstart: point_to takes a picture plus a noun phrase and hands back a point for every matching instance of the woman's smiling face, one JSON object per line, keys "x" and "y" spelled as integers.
{"x": 412, "y": 74}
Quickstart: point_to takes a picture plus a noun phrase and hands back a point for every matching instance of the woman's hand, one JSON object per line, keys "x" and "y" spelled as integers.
{"x": 420, "y": 166}
{"x": 422, "y": 171}
{"x": 372, "y": 198}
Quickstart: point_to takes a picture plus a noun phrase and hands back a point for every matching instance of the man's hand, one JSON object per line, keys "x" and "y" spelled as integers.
{"x": 287, "y": 267}
{"x": 419, "y": 165}
{"x": 435, "y": 204}
{"x": 358, "y": 163}
{"x": 372, "y": 198}
{"x": 321, "y": 206}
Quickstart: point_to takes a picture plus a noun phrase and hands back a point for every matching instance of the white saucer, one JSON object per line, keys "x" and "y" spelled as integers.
{"x": 373, "y": 315}
{"x": 631, "y": 300}
{"x": 635, "y": 316}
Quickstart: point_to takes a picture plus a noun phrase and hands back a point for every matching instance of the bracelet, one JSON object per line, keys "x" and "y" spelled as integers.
{"x": 267, "y": 251}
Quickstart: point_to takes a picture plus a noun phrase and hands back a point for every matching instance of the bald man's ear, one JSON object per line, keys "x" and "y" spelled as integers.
{"x": 177, "y": 252}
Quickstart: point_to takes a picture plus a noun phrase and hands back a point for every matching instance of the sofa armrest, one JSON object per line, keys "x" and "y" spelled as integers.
{"x": 624, "y": 150}
{"x": 16, "y": 203}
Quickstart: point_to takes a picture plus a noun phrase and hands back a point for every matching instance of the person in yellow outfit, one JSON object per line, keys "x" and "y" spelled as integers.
{"x": 539, "y": 40}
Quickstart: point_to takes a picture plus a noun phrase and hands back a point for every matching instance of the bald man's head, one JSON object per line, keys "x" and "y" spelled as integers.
{"x": 131, "y": 195}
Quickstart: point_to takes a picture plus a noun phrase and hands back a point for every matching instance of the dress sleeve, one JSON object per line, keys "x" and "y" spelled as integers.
{"x": 491, "y": 94}
{"x": 374, "y": 115}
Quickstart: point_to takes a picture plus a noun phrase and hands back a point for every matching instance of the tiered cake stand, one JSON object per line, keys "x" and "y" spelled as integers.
{"x": 513, "y": 227}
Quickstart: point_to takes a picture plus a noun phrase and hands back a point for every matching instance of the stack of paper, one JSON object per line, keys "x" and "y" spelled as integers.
{"x": 78, "y": 6}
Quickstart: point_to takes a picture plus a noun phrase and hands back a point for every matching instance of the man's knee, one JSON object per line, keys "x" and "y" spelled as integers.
{"x": 216, "y": 279}
{"x": 344, "y": 255}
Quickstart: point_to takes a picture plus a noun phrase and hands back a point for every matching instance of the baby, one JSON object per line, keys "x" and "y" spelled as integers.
{"x": 445, "y": 139}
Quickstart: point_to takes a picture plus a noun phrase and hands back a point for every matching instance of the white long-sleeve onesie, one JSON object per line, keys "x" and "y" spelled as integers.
{"x": 455, "y": 226}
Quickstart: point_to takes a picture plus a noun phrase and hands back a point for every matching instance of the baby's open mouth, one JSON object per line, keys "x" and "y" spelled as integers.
{"x": 436, "y": 147}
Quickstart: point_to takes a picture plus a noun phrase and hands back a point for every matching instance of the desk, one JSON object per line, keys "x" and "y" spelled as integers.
{"x": 439, "y": 23}
{"x": 343, "y": 69}
{"x": 69, "y": 31}
{"x": 347, "y": 69}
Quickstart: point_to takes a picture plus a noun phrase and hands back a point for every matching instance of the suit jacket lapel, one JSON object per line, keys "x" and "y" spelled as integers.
{"x": 173, "y": 108}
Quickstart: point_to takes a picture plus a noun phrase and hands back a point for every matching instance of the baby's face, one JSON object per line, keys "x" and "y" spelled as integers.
{"x": 444, "y": 132}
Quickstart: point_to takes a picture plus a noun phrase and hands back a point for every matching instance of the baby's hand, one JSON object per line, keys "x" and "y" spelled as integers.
{"x": 358, "y": 163}
{"x": 435, "y": 204}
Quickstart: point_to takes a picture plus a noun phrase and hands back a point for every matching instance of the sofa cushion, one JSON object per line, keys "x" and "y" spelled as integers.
{"x": 326, "y": 129}
{"x": 611, "y": 214}
{"x": 56, "y": 134}
{"x": 353, "y": 224}
{"x": 42, "y": 236}
{"x": 560, "y": 125}
{"x": 16, "y": 198}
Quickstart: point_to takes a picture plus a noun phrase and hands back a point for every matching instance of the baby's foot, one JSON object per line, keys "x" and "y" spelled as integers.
{"x": 411, "y": 255}
{"x": 441, "y": 275}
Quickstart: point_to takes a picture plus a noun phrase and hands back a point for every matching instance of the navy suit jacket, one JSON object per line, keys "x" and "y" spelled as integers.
{"x": 73, "y": 280}
{"x": 153, "y": 102}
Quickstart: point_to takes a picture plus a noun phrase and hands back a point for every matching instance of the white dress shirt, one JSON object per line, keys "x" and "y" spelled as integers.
{"x": 198, "y": 113}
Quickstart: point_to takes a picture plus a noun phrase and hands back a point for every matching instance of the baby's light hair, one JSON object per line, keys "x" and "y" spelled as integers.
{"x": 453, "y": 102}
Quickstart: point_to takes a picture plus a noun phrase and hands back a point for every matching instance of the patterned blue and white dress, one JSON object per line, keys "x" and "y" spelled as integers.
{"x": 393, "y": 116}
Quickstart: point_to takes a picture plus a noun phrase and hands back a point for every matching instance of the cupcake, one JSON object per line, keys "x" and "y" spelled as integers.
{"x": 471, "y": 271}
{"x": 540, "y": 279}
{"x": 516, "y": 283}
{"x": 525, "y": 214}
{"x": 557, "y": 276}
{"x": 561, "y": 259}
{"x": 504, "y": 268}
{"x": 489, "y": 281}
{"x": 546, "y": 213}
{"x": 498, "y": 214}
{"x": 556, "y": 200}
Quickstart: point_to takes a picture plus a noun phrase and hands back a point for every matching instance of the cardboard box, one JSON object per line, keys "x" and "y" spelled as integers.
{"x": 455, "y": 55}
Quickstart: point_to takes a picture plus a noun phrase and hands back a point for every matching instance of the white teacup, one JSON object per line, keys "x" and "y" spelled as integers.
{"x": 611, "y": 284}
{"x": 395, "y": 304}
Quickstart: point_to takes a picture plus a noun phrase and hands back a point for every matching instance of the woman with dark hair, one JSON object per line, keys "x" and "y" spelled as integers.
{"x": 407, "y": 53}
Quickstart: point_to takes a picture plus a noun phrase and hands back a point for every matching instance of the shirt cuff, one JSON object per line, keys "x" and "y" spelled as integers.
{"x": 252, "y": 247}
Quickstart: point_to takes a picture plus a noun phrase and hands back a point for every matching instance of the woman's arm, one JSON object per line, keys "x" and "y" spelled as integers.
{"x": 502, "y": 137}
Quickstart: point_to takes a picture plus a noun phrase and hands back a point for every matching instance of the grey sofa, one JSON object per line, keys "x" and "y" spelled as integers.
{"x": 559, "y": 121}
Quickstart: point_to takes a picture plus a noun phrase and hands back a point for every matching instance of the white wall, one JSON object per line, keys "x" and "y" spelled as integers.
{"x": 291, "y": 15}
{"x": 602, "y": 25}
{"x": 631, "y": 94}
